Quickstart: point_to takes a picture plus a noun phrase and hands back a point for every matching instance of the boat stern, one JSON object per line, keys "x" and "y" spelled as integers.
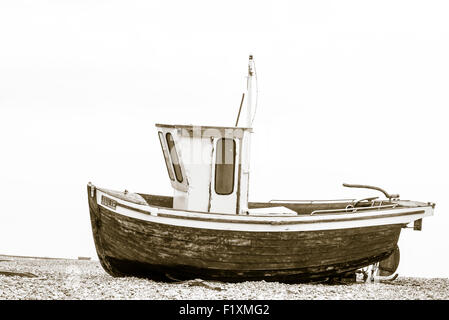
{"x": 427, "y": 207}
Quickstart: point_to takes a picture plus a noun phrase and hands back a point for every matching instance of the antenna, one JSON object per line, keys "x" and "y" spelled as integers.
{"x": 240, "y": 110}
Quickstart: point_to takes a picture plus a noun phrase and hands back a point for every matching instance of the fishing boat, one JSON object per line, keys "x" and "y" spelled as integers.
{"x": 209, "y": 229}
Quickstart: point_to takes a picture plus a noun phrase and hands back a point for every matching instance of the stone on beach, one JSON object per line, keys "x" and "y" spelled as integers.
{"x": 85, "y": 279}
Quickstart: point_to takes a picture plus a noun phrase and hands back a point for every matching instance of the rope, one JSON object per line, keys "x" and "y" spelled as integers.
{"x": 257, "y": 94}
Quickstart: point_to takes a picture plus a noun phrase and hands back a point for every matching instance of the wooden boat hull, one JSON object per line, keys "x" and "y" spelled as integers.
{"x": 127, "y": 246}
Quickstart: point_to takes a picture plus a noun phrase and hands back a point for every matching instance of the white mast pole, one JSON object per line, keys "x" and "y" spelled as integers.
{"x": 246, "y": 141}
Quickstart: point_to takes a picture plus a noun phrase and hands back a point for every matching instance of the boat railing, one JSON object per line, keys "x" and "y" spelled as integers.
{"x": 355, "y": 209}
{"x": 312, "y": 201}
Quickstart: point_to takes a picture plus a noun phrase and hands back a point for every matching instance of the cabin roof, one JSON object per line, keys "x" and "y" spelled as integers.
{"x": 191, "y": 126}
{"x": 204, "y": 131}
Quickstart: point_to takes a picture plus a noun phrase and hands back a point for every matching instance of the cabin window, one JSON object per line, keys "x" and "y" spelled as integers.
{"x": 174, "y": 156}
{"x": 224, "y": 166}
{"x": 167, "y": 161}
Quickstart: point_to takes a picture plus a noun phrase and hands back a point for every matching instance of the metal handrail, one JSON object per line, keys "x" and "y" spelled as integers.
{"x": 311, "y": 201}
{"x": 353, "y": 210}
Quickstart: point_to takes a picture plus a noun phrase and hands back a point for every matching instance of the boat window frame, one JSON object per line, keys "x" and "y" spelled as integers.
{"x": 176, "y": 164}
{"x": 216, "y": 169}
{"x": 166, "y": 156}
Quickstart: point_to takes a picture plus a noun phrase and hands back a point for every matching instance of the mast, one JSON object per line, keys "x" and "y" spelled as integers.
{"x": 246, "y": 141}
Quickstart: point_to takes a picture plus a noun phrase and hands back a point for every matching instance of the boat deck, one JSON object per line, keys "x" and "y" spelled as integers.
{"x": 301, "y": 207}
{"x": 306, "y": 207}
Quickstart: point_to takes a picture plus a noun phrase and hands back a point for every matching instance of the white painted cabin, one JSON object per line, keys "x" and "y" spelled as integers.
{"x": 208, "y": 167}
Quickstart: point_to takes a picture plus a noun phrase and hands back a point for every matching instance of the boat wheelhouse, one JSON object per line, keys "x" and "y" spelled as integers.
{"x": 207, "y": 167}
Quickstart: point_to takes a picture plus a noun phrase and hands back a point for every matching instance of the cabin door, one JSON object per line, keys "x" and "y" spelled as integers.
{"x": 224, "y": 180}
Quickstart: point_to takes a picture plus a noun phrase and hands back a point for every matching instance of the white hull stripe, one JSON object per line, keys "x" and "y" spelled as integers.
{"x": 267, "y": 224}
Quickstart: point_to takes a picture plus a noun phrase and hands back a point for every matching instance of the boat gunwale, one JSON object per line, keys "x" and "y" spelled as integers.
{"x": 276, "y": 222}
{"x": 269, "y": 220}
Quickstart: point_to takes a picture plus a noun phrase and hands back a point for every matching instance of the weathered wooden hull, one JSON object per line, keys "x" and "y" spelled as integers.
{"x": 127, "y": 246}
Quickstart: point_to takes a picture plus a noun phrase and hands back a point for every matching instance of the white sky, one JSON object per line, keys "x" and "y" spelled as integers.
{"x": 349, "y": 91}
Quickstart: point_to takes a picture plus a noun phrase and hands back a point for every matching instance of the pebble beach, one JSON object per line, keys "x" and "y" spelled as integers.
{"x": 63, "y": 279}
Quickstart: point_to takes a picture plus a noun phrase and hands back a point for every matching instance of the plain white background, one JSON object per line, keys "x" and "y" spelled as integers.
{"x": 349, "y": 91}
